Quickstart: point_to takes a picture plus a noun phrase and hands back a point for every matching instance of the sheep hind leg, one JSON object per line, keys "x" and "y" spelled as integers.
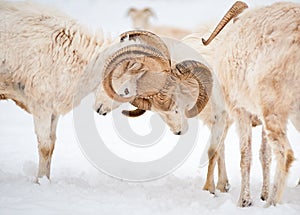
{"x": 275, "y": 125}
{"x": 295, "y": 119}
{"x": 213, "y": 157}
{"x": 223, "y": 184}
{"x": 45, "y": 128}
{"x": 244, "y": 128}
{"x": 265, "y": 156}
{"x": 216, "y": 141}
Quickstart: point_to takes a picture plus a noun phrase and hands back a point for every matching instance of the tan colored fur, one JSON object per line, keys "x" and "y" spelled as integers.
{"x": 141, "y": 20}
{"x": 44, "y": 59}
{"x": 257, "y": 64}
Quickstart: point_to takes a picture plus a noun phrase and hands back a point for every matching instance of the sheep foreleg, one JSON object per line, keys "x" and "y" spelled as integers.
{"x": 45, "y": 129}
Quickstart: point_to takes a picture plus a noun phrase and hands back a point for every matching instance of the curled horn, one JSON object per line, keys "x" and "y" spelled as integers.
{"x": 148, "y": 38}
{"x": 160, "y": 100}
{"x": 196, "y": 70}
{"x": 234, "y": 11}
{"x": 138, "y": 53}
{"x": 142, "y": 105}
{"x": 133, "y": 113}
{"x": 185, "y": 70}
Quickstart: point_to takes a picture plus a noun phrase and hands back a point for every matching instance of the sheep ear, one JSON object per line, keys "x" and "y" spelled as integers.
{"x": 149, "y": 11}
{"x": 131, "y": 11}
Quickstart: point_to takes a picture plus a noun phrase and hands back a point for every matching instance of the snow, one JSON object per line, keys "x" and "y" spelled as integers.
{"x": 77, "y": 187}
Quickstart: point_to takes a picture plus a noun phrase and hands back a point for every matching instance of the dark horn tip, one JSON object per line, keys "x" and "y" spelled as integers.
{"x": 125, "y": 112}
{"x": 204, "y": 42}
{"x": 133, "y": 113}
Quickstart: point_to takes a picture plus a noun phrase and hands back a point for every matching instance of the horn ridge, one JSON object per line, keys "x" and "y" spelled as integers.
{"x": 237, "y": 8}
{"x": 137, "y": 52}
{"x": 191, "y": 69}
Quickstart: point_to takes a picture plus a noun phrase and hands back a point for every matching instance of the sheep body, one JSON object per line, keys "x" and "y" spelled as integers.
{"x": 257, "y": 63}
{"x": 45, "y": 57}
{"x": 46, "y": 54}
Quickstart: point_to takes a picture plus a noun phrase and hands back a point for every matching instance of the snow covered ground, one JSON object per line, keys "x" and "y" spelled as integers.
{"x": 77, "y": 187}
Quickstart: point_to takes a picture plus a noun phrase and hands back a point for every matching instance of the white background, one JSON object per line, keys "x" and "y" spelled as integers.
{"x": 78, "y": 188}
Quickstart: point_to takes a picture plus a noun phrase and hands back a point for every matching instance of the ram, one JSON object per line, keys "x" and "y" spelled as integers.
{"x": 186, "y": 94}
{"x": 49, "y": 63}
{"x": 44, "y": 55}
{"x": 257, "y": 61}
{"x": 141, "y": 20}
{"x": 250, "y": 81}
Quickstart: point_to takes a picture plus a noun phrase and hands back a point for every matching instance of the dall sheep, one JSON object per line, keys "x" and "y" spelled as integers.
{"x": 187, "y": 95}
{"x": 257, "y": 61}
{"x": 250, "y": 82}
{"x": 158, "y": 89}
{"x": 49, "y": 63}
{"x": 44, "y": 55}
{"x": 141, "y": 20}
{"x": 216, "y": 150}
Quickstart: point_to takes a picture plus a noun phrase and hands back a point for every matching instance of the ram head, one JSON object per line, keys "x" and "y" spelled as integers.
{"x": 157, "y": 79}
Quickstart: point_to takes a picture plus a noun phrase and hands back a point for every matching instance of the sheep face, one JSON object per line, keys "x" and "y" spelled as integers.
{"x": 140, "y": 18}
{"x": 126, "y": 85}
{"x": 141, "y": 72}
{"x": 104, "y": 104}
{"x": 176, "y": 120}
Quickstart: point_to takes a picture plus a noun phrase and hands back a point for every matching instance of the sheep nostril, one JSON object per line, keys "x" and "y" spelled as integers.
{"x": 178, "y": 133}
{"x": 98, "y": 110}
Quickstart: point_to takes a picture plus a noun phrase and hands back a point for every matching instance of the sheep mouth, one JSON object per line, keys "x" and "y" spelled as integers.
{"x": 178, "y": 133}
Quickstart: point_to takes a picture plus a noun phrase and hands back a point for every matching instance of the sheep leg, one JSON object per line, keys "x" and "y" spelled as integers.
{"x": 275, "y": 126}
{"x": 244, "y": 128}
{"x": 45, "y": 129}
{"x": 295, "y": 119}
{"x": 213, "y": 157}
{"x": 218, "y": 133}
{"x": 265, "y": 156}
{"x": 223, "y": 184}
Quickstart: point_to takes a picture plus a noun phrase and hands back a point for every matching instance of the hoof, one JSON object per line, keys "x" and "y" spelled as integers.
{"x": 264, "y": 196}
{"x": 42, "y": 180}
{"x": 270, "y": 203}
{"x": 224, "y": 188}
{"x": 210, "y": 189}
{"x": 245, "y": 203}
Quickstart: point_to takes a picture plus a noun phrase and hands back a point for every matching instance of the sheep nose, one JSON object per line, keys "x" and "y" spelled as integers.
{"x": 99, "y": 111}
{"x": 178, "y": 133}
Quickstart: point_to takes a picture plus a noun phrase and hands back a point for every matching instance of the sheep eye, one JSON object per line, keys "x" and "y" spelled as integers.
{"x": 126, "y": 91}
{"x": 176, "y": 111}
